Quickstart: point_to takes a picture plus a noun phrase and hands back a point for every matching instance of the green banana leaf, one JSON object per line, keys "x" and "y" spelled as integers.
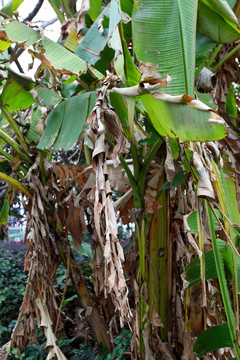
{"x": 222, "y": 8}
{"x": 126, "y": 6}
{"x": 47, "y": 97}
{"x": 15, "y": 96}
{"x": 59, "y": 57}
{"x": 231, "y": 3}
{"x": 131, "y": 72}
{"x": 94, "y": 41}
{"x": 217, "y": 20}
{"x": 216, "y": 337}
{"x": 181, "y": 120}
{"x": 164, "y": 34}
{"x": 226, "y": 190}
{"x": 36, "y": 115}
{"x": 66, "y": 121}
{"x": 219, "y": 262}
{"x": 203, "y": 45}
{"x": 4, "y": 212}
{"x": 119, "y": 103}
{"x": 94, "y": 9}
{"x": 193, "y": 223}
{"x": 10, "y": 6}
{"x": 192, "y": 270}
{"x": 206, "y": 99}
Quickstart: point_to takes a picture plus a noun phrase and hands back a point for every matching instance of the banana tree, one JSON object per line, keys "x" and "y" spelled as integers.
{"x": 179, "y": 181}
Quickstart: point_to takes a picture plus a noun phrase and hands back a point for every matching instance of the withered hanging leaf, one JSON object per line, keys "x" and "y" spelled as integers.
{"x": 76, "y": 225}
{"x": 46, "y": 322}
{"x": 104, "y": 215}
{"x": 169, "y": 164}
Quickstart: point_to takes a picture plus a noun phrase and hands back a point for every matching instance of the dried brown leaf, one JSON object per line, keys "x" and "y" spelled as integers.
{"x": 169, "y": 164}
{"x": 46, "y": 322}
{"x": 156, "y": 320}
{"x": 44, "y": 60}
{"x": 205, "y": 188}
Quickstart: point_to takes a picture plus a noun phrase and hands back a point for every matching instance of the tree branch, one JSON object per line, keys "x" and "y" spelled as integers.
{"x": 34, "y": 12}
{"x": 44, "y": 24}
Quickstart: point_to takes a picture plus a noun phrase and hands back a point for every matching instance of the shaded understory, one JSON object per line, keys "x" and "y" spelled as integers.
{"x": 76, "y": 340}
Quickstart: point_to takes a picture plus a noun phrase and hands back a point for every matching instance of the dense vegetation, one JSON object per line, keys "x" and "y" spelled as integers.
{"x": 12, "y": 286}
{"x": 131, "y": 118}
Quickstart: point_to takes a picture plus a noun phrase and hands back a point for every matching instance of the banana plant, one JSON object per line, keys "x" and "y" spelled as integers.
{"x": 124, "y": 83}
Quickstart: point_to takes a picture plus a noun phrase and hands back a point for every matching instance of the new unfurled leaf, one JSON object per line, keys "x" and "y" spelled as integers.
{"x": 94, "y": 9}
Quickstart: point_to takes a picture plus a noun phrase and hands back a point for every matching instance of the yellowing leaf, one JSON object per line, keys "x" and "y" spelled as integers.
{"x": 4, "y": 41}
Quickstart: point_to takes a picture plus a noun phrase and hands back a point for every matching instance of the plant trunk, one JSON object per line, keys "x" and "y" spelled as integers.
{"x": 159, "y": 269}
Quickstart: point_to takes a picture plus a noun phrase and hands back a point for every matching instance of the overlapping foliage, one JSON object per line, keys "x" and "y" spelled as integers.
{"x": 120, "y": 85}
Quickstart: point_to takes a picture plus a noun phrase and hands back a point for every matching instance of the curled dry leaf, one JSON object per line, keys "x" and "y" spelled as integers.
{"x": 169, "y": 164}
{"x": 205, "y": 188}
{"x": 4, "y": 351}
{"x": 205, "y": 80}
{"x": 39, "y": 261}
{"x": 197, "y": 104}
{"x": 148, "y": 71}
{"x": 181, "y": 210}
{"x": 156, "y": 320}
{"x": 190, "y": 238}
{"x": 104, "y": 215}
{"x": 143, "y": 87}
